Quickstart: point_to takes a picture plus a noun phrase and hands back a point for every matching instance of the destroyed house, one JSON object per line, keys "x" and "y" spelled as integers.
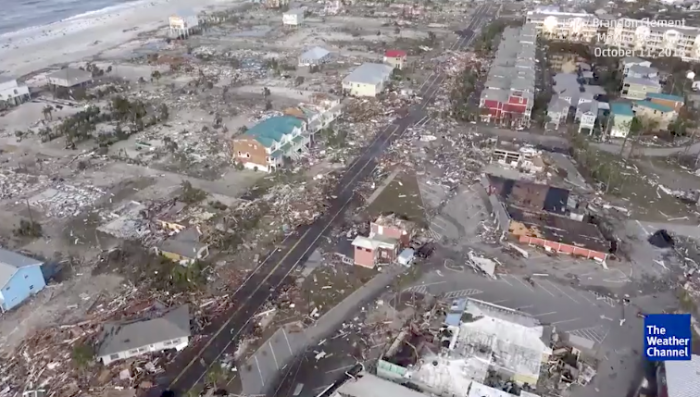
{"x": 388, "y": 235}
{"x": 165, "y": 331}
{"x": 318, "y": 114}
{"x": 265, "y": 146}
{"x": 545, "y": 216}
{"x": 480, "y": 339}
{"x": 20, "y": 278}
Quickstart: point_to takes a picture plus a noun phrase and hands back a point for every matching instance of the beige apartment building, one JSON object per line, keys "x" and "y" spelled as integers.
{"x": 647, "y": 38}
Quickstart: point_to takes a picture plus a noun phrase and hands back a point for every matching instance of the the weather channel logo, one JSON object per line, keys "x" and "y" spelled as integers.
{"x": 667, "y": 337}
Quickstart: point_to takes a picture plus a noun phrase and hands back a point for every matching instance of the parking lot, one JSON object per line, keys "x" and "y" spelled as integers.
{"x": 614, "y": 331}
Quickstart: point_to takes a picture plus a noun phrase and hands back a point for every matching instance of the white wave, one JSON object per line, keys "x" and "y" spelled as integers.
{"x": 81, "y": 21}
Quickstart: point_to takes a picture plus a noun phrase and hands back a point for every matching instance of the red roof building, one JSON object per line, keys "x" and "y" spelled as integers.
{"x": 395, "y": 58}
{"x": 395, "y": 54}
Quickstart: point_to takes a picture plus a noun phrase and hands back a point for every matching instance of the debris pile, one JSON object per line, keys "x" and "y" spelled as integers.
{"x": 63, "y": 200}
{"x": 54, "y": 358}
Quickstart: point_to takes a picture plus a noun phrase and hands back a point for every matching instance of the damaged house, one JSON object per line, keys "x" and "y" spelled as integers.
{"x": 388, "y": 235}
{"x": 493, "y": 350}
{"x": 265, "y": 146}
{"x": 545, "y": 216}
{"x": 319, "y": 113}
{"x": 168, "y": 330}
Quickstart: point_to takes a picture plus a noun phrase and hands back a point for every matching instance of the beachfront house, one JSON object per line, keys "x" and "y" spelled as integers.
{"x": 368, "y": 80}
{"x": 293, "y": 17}
{"x": 69, "y": 78}
{"x": 12, "y": 92}
{"x": 182, "y": 23}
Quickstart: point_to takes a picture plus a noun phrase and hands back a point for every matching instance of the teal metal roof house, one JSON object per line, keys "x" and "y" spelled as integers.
{"x": 270, "y": 131}
{"x": 20, "y": 278}
{"x": 265, "y": 146}
{"x": 621, "y": 109}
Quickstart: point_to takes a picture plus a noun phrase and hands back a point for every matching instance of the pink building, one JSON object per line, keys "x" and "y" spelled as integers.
{"x": 387, "y": 236}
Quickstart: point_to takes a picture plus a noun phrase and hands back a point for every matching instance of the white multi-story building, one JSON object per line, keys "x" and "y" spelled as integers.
{"x": 647, "y": 38}
{"x": 555, "y": 24}
{"x": 12, "y": 92}
{"x": 293, "y": 17}
{"x": 183, "y": 23}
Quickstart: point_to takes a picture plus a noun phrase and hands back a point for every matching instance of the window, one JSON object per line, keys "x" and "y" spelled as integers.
{"x": 239, "y": 153}
{"x": 26, "y": 276}
{"x": 368, "y": 250}
{"x": 175, "y": 341}
{"x": 142, "y": 350}
{"x": 133, "y": 352}
{"x": 7, "y": 288}
{"x": 114, "y": 357}
{"x": 383, "y": 254}
{"x": 167, "y": 343}
{"x": 31, "y": 287}
{"x": 247, "y": 155}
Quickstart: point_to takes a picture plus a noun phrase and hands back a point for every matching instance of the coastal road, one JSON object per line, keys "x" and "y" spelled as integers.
{"x": 606, "y": 147}
{"x": 189, "y": 368}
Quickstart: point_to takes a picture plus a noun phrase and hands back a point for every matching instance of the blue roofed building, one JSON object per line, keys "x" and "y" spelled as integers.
{"x": 266, "y": 145}
{"x": 20, "y": 278}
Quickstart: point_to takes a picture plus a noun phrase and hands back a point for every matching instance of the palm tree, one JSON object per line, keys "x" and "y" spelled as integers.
{"x": 633, "y": 127}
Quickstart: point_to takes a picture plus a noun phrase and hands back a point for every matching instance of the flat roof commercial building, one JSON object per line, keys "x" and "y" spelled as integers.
{"x": 545, "y": 216}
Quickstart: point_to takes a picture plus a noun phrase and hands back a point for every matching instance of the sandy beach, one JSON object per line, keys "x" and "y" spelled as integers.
{"x": 86, "y": 35}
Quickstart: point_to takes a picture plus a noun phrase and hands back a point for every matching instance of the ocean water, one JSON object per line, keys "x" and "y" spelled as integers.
{"x": 21, "y": 14}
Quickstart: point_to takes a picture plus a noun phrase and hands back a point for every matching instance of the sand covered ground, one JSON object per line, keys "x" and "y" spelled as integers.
{"x": 86, "y": 35}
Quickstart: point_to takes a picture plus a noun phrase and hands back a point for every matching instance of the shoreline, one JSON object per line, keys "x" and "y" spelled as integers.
{"x": 86, "y": 35}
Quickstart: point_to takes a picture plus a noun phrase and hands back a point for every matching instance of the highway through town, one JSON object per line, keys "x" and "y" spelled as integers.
{"x": 306, "y": 371}
{"x": 190, "y": 366}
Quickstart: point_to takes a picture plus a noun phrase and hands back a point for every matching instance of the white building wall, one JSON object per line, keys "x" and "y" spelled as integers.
{"x": 177, "y": 344}
{"x": 12, "y": 92}
{"x": 292, "y": 18}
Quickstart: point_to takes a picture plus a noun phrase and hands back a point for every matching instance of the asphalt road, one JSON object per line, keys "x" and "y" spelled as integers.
{"x": 606, "y": 147}
{"x": 188, "y": 368}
